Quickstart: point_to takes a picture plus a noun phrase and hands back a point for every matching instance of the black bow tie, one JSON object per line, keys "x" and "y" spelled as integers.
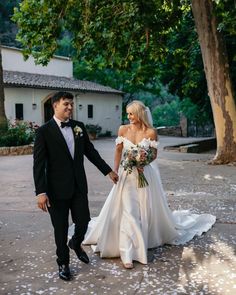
{"x": 66, "y": 124}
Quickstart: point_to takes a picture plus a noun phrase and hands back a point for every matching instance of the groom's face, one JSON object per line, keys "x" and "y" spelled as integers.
{"x": 63, "y": 108}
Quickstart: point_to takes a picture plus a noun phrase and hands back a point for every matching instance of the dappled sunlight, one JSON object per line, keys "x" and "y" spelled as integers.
{"x": 209, "y": 177}
{"x": 233, "y": 187}
{"x": 171, "y": 164}
{"x": 184, "y": 193}
{"x": 210, "y": 271}
{"x": 218, "y": 177}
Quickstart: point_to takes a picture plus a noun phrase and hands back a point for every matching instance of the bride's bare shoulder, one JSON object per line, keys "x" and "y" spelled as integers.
{"x": 152, "y": 133}
{"x": 123, "y": 130}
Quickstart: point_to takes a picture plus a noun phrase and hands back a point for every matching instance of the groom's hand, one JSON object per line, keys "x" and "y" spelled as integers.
{"x": 43, "y": 202}
{"x": 114, "y": 176}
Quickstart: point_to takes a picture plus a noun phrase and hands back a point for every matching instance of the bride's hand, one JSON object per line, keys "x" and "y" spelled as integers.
{"x": 140, "y": 169}
{"x": 114, "y": 176}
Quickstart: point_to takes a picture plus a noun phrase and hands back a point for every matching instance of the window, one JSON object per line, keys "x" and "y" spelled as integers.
{"x": 19, "y": 111}
{"x": 90, "y": 111}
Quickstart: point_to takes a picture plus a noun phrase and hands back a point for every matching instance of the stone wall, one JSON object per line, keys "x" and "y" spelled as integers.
{"x": 16, "y": 150}
{"x": 170, "y": 131}
{"x": 199, "y": 146}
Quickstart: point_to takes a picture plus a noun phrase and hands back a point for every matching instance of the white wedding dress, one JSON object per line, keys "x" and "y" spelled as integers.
{"x": 134, "y": 219}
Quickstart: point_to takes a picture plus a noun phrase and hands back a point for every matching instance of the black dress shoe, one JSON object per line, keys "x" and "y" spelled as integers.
{"x": 81, "y": 254}
{"x": 64, "y": 272}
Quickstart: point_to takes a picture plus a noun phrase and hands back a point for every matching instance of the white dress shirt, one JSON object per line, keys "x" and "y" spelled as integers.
{"x": 68, "y": 135}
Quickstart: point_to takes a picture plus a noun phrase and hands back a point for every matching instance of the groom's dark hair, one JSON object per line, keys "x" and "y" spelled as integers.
{"x": 61, "y": 95}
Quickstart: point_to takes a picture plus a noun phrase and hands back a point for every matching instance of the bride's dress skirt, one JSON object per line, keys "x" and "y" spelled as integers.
{"x": 134, "y": 219}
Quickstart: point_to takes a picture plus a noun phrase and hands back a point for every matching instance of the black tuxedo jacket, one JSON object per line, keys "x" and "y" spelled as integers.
{"x": 55, "y": 171}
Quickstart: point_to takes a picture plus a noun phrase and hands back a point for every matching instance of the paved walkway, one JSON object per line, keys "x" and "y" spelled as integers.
{"x": 206, "y": 265}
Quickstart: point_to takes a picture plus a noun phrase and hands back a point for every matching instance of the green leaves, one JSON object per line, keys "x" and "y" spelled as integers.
{"x": 169, "y": 114}
{"x": 122, "y": 32}
{"x": 40, "y": 25}
{"x": 143, "y": 39}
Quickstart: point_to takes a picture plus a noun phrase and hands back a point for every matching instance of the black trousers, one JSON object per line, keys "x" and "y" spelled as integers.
{"x": 59, "y": 213}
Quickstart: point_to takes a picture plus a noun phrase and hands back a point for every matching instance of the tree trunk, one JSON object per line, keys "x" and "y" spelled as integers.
{"x": 219, "y": 84}
{"x": 3, "y": 118}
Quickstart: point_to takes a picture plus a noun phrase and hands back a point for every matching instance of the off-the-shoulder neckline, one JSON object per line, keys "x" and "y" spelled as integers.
{"x": 152, "y": 140}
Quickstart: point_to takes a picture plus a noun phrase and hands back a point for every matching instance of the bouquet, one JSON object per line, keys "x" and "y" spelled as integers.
{"x": 138, "y": 157}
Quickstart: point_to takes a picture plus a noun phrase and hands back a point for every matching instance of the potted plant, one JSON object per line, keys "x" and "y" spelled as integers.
{"x": 93, "y": 130}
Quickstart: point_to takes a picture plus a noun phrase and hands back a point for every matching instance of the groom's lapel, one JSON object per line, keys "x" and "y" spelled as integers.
{"x": 58, "y": 136}
{"x": 76, "y": 140}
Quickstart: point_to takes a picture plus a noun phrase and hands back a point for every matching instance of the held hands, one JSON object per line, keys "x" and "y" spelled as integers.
{"x": 43, "y": 202}
{"x": 114, "y": 176}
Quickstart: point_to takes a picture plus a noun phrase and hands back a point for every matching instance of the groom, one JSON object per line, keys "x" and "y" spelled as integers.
{"x": 60, "y": 180}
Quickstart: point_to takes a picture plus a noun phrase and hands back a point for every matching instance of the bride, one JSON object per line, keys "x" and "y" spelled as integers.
{"x": 136, "y": 215}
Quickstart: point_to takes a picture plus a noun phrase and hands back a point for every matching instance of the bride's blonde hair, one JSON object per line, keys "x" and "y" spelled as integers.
{"x": 139, "y": 109}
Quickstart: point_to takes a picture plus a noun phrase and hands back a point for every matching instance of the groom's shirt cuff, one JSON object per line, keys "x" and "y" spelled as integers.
{"x": 41, "y": 194}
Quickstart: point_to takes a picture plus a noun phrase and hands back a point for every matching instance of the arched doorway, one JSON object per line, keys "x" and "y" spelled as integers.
{"x": 48, "y": 110}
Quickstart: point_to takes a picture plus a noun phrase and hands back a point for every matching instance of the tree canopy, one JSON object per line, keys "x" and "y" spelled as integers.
{"x": 8, "y": 29}
{"x": 121, "y": 32}
{"x": 147, "y": 39}
{"x": 150, "y": 40}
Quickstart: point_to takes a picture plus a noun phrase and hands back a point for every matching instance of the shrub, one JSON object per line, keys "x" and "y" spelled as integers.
{"x": 168, "y": 114}
{"x": 92, "y": 128}
{"x": 18, "y": 133}
{"x": 105, "y": 134}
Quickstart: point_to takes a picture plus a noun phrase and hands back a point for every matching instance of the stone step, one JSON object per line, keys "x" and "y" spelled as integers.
{"x": 194, "y": 147}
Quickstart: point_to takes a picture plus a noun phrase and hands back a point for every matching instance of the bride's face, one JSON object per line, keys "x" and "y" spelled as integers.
{"x": 133, "y": 119}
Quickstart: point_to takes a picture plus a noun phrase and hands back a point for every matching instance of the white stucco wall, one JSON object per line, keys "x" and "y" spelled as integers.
{"x": 105, "y": 110}
{"x": 12, "y": 60}
{"x": 26, "y": 96}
